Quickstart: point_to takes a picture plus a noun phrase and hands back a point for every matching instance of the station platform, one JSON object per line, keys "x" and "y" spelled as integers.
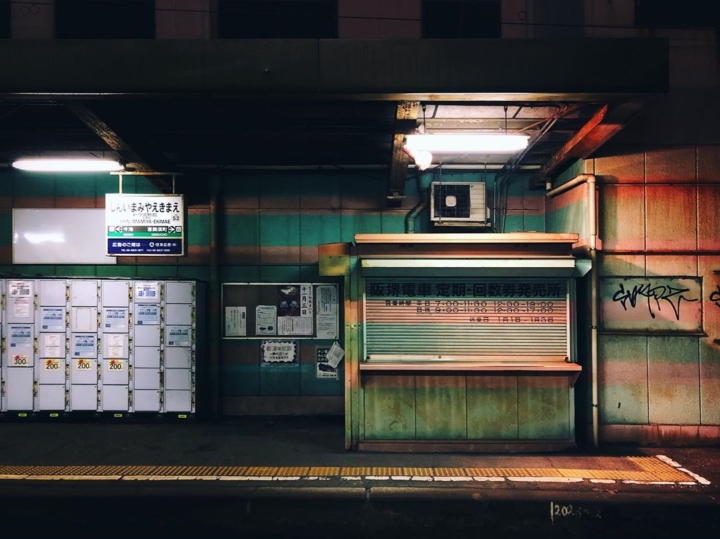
{"x": 301, "y": 466}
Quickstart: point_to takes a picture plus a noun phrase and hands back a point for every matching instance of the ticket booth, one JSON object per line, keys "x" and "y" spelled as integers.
{"x": 459, "y": 342}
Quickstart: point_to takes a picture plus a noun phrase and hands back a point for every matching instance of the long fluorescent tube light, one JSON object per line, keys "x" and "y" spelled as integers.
{"x": 67, "y": 165}
{"x": 463, "y": 143}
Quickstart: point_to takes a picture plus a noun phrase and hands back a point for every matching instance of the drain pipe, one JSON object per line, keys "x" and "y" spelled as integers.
{"x": 419, "y": 207}
{"x": 593, "y": 237}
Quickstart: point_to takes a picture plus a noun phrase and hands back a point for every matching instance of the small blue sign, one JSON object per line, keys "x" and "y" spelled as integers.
{"x": 144, "y": 246}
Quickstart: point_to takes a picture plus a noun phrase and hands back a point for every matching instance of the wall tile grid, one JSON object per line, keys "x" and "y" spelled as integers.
{"x": 654, "y": 202}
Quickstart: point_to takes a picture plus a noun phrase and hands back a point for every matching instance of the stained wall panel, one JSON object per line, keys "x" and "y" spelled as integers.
{"x": 622, "y": 217}
{"x": 670, "y": 165}
{"x": 389, "y": 407}
{"x": 622, "y": 378}
{"x": 709, "y": 217}
{"x": 441, "y": 411}
{"x": 674, "y": 380}
{"x": 671, "y": 217}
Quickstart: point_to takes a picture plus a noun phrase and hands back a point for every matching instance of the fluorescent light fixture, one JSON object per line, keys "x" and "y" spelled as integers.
{"x": 466, "y": 143}
{"x": 67, "y": 165}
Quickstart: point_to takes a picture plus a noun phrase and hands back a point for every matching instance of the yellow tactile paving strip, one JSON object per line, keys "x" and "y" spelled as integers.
{"x": 617, "y": 469}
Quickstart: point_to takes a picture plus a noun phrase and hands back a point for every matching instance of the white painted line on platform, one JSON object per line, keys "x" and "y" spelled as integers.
{"x": 135, "y": 477}
{"x": 421, "y": 478}
{"x": 695, "y": 476}
{"x": 11, "y": 476}
{"x": 687, "y": 483}
{"x": 453, "y": 478}
{"x": 493, "y": 479}
{"x": 400, "y": 477}
{"x": 668, "y": 460}
{"x": 286, "y": 478}
{"x": 351, "y": 478}
{"x": 603, "y": 481}
{"x": 206, "y": 477}
{"x": 377, "y": 477}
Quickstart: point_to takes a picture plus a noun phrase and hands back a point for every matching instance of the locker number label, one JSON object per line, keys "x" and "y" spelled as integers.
{"x": 20, "y": 360}
{"x": 116, "y": 365}
{"x": 52, "y": 364}
{"x": 83, "y": 364}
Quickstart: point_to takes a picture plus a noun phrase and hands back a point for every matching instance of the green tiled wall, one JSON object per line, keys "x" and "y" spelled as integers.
{"x": 269, "y": 226}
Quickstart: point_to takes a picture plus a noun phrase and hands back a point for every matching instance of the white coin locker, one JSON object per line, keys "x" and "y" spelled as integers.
{"x": 179, "y": 342}
{"x": 51, "y": 322}
{"x": 18, "y": 363}
{"x": 147, "y": 339}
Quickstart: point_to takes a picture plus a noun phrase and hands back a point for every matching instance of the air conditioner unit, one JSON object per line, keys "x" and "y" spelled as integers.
{"x": 458, "y": 204}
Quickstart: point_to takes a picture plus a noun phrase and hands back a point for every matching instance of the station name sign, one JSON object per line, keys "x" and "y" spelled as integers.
{"x": 145, "y": 225}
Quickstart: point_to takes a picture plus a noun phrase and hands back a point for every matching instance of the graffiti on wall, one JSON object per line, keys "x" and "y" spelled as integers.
{"x": 651, "y": 304}
{"x": 715, "y": 296}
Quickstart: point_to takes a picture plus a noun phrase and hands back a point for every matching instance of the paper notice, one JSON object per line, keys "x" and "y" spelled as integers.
{"x": 266, "y": 320}
{"x": 54, "y": 345}
{"x": 327, "y": 326}
{"x": 295, "y": 325}
{"x": 20, "y": 307}
{"x": 279, "y": 352}
{"x": 327, "y": 299}
{"x": 335, "y": 355}
{"x": 235, "y": 321}
{"x": 115, "y": 344}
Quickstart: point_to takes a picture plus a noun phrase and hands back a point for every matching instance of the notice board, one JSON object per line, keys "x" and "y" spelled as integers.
{"x": 280, "y": 310}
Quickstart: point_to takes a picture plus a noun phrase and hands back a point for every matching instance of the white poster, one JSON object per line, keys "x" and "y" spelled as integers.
{"x": 53, "y": 345}
{"x": 84, "y": 318}
{"x": 235, "y": 321}
{"x": 115, "y": 319}
{"x": 327, "y": 326}
{"x": 20, "y": 307}
{"x": 115, "y": 344}
{"x": 52, "y": 318}
{"x": 178, "y": 335}
{"x": 327, "y": 299}
{"x": 266, "y": 320}
{"x": 279, "y": 352}
{"x": 147, "y": 315}
{"x": 289, "y": 325}
{"x": 324, "y": 370}
{"x": 147, "y": 291}
{"x": 20, "y": 294}
{"x": 335, "y": 355}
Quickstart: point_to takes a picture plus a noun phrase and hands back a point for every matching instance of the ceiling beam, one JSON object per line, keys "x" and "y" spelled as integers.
{"x": 119, "y": 145}
{"x": 607, "y": 121}
{"x": 406, "y": 115}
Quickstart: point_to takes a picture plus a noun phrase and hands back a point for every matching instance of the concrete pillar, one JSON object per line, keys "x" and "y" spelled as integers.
{"x": 30, "y": 20}
{"x": 379, "y": 19}
{"x": 185, "y": 19}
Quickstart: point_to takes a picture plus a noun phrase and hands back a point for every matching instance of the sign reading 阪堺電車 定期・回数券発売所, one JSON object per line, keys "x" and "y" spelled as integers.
{"x": 138, "y": 225}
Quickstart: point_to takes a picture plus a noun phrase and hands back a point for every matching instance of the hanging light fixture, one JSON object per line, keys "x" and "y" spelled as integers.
{"x": 67, "y": 165}
{"x": 466, "y": 143}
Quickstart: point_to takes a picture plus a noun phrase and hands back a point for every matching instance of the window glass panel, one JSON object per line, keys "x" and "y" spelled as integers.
{"x": 4, "y": 18}
{"x": 105, "y": 19}
{"x": 460, "y": 19}
{"x": 676, "y": 14}
{"x": 276, "y": 19}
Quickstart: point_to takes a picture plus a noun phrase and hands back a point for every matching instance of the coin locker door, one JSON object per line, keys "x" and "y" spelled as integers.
{"x": 115, "y": 293}
{"x": 51, "y": 371}
{"x": 84, "y": 293}
{"x": 83, "y": 371}
{"x": 52, "y": 292}
{"x": 20, "y": 301}
{"x": 19, "y": 366}
{"x": 179, "y": 292}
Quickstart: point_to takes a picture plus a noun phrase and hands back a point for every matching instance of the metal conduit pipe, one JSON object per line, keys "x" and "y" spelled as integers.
{"x": 418, "y": 208}
{"x": 215, "y": 400}
{"x": 592, "y": 199}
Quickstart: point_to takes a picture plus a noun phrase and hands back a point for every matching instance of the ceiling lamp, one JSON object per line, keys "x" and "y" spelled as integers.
{"x": 67, "y": 165}
{"x": 466, "y": 143}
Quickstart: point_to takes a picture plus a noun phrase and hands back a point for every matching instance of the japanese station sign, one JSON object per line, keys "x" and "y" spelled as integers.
{"x": 145, "y": 225}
